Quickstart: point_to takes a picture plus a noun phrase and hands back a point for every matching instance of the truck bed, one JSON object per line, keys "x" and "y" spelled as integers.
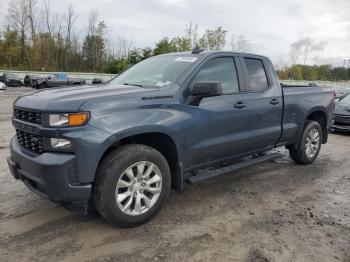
{"x": 299, "y": 101}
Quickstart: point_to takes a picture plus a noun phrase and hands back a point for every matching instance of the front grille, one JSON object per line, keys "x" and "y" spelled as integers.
{"x": 27, "y": 116}
{"x": 29, "y": 141}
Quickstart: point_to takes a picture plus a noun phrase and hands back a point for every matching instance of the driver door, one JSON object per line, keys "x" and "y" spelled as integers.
{"x": 215, "y": 129}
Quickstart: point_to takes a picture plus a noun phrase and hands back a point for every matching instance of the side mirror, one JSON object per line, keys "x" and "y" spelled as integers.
{"x": 199, "y": 90}
{"x": 205, "y": 88}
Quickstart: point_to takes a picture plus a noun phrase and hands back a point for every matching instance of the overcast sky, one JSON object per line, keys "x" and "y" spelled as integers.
{"x": 270, "y": 25}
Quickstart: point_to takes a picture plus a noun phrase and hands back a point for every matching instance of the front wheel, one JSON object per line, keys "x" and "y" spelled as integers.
{"x": 42, "y": 86}
{"x": 306, "y": 150}
{"x": 132, "y": 184}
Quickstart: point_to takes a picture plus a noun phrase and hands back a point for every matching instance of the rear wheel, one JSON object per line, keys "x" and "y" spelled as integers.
{"x": 132, "y": 184}
{"x": 307, "y": 149}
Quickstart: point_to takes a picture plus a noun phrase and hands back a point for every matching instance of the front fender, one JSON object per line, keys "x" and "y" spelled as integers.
{"x": 144, "y": 130}
{"x": 40, "y": 81}
{"x": 164, "y": 119}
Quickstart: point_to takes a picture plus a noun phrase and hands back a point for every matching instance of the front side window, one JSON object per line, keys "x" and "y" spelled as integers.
{"x": 223, "y": 70}
{"x": 256, "y": 75}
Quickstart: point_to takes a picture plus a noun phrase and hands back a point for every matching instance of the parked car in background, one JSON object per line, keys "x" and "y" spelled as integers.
{"x": 11, "y": 80}
{"x": 57, "y": 79}
{"x": 2, "y": 86}
{"x": 341, "y": 121}
{"x": 341, "y": 92}
{"x": 97, "y": 81}
{"x": 29, "y": 79}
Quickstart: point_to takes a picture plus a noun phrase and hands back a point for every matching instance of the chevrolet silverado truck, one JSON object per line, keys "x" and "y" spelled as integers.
{"x": 170, "y": 119}
{"x": 56, "y": 80}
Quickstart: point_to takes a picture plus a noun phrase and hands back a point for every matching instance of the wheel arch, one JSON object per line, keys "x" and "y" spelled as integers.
{"x": 319, "y": 115}
{"x": 159, "y": 140}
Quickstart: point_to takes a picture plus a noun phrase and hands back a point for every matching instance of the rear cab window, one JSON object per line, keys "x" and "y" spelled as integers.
{"x": 256, "y": 75}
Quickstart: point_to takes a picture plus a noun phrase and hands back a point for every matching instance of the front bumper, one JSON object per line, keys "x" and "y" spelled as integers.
{"x": 341, "y": 123}
{"x": 48, "y": 175}
{"x": 340, "y": 128}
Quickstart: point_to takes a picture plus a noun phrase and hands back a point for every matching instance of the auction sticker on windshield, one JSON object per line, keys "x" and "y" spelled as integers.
{"x": 186, "y": 59}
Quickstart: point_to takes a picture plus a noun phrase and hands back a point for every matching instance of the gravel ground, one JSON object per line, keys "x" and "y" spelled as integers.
{"x": 275, "y": 211}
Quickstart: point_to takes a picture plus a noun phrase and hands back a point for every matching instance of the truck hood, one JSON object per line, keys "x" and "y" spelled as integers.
{"x": 69, "y": 99}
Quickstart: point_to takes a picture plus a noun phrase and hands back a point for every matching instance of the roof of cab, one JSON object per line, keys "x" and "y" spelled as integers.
{"x": 210, "y": 52}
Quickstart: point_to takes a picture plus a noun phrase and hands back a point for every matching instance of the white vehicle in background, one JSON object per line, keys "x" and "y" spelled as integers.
{"x": 2, "y": 86}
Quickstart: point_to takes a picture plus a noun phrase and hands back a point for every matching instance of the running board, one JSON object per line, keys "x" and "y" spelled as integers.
{"x": 203, "y": 174}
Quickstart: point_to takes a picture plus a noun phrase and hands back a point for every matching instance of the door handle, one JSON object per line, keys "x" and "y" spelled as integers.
{"x": 239, "y": 105}
{"x": 274, "y": 101}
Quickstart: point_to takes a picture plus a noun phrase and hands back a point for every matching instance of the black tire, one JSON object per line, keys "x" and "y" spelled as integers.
{"x": 298, "y": 151}
{"x": 42, "y": 86}
{"x": 108, "y": 174}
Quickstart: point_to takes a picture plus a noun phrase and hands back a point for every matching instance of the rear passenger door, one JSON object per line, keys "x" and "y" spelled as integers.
{"x": 263, "y": 95}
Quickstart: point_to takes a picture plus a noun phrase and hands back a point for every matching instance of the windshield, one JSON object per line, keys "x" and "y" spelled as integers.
{"x": 345, "y": 100}
{"x": 157, "y": 71}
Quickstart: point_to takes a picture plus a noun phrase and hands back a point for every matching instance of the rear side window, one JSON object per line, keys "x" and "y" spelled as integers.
{"x": 223, "y": 70}
{"x": 256, "y": 75}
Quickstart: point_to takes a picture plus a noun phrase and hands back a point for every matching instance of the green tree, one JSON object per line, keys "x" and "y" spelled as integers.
{"x": 134, "y": 56}
{"x": 94, "y": 49}
{"x": 146, "y": 52}
{"x": 182, "y": 43}
{"x": 339, "y": 73}
{"x": 296, "y": 73}
{"x": 164, "y": 46}
{"x": 115, "y": 66}
{"x": 282, "y": 74}
{"x": 10, "y": 49}
{"x": 324, "y": 72}
{"x": 305, "y": 72}
{"x": 213, "y": 39}
{"x": 314, "y": 73}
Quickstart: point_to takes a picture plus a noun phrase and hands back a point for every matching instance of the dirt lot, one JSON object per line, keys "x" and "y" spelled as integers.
{"x": 275, "y": 211}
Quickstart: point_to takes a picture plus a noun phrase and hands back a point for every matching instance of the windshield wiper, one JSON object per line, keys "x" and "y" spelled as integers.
{"x": 128, "y": 84}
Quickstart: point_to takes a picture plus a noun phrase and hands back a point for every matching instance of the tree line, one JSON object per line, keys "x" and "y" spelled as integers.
{"x": 297, "y": 69}
{"x": 36, "y": 37}
{"x": 314, "y": 73}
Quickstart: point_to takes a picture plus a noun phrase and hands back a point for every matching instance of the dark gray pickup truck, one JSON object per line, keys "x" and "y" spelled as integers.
{"x": 171, "y": 119}
{"x": 56, "y": 80}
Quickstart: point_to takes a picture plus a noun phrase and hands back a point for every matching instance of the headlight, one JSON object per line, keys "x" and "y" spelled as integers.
{"x": 68, "y": 120}
{"x": 60, "y": 143}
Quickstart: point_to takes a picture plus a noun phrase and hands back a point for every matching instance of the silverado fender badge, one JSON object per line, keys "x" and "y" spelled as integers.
{"x": 155, "y": 97}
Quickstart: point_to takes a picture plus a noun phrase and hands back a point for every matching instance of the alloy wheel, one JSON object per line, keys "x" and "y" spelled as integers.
{"x": 312, "y": 143}
{"x": 138, "y": 188}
